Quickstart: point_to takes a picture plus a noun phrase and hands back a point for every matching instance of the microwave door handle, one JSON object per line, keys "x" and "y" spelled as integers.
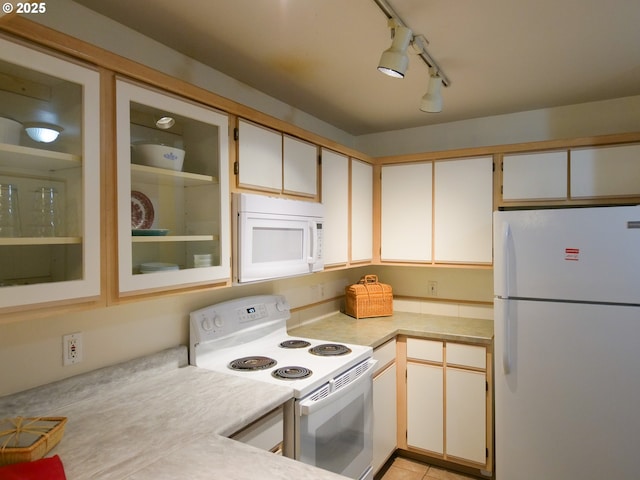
{"x": 313, "y": 242}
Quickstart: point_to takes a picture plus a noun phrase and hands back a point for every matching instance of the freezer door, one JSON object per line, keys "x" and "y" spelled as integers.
{"x": 568, "y": 408}
{"x": 581, "y": 254}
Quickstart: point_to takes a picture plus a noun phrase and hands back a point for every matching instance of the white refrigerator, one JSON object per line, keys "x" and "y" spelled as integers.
{"x": 567, "y": 344}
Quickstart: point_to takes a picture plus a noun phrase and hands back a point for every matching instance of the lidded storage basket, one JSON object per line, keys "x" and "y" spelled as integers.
{"x": 369, "y": 298}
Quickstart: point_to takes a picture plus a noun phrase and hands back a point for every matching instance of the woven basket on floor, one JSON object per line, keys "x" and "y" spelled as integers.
{"x": 369, "y": 298}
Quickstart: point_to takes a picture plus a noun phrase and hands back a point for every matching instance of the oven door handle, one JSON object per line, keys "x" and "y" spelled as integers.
{"x": 313, "y": 402}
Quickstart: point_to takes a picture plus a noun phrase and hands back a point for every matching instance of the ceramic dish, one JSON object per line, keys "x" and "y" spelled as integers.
{"x": 141, "y": 211}
{"x": 151, "y": 232}
{"x": 157, "y": 267}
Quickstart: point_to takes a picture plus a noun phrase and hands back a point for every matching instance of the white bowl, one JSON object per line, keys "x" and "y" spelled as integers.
{"x": 160, "y": 156}
{"x": 10, "y": 131}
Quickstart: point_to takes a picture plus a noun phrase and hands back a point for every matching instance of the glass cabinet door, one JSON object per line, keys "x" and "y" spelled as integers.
{"x": 49, "y": 178}
{"x": 173, "y": 191}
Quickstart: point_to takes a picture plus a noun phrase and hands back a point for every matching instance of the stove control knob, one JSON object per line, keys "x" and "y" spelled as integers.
{"x": 217, "y": 321}
{"x": 282, "y": 305}
{"x": 207, "y": 324}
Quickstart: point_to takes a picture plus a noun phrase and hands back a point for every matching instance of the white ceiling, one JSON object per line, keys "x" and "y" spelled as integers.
{"x": 320, "y": 56}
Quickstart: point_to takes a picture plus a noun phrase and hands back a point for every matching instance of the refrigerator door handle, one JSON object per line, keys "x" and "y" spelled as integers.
{"x": 506, "y": 260}
{"x": 506, "y": 347}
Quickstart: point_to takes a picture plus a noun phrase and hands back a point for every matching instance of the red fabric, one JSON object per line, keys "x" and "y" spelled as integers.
{"x": 49, "y": 468}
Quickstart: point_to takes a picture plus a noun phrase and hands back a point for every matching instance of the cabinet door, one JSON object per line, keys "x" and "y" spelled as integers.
{"x": 466, "y": 415}
{"x": 463, "y": 211}
{"x": 361, "y": 211}
{"x": 605, "y": 171}
{"x": 300, "y": 163}
{"x": 50, "y": 227}
{"x": 425, "y": 407}
{"x": 335, "y": 198}
{"x": 406, "y": 212}
{"x": 259, "y": 157}
{"x": 173, "y": 223}
{"x": 384, "y": 416}
{"x": 534, "y": 176}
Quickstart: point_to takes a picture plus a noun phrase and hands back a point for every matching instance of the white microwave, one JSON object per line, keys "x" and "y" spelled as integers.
{"x": 275, "y": 237}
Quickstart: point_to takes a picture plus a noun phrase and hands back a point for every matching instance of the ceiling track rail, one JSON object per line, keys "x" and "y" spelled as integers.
{"x": 424, "y": 55}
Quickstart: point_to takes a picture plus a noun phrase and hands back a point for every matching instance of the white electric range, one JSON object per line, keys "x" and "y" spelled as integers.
{"x": 331, "y": 382}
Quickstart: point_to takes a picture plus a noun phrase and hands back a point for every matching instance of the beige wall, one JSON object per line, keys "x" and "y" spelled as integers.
{"x": 620, "y": 115}
{"x": 31, "y": 350}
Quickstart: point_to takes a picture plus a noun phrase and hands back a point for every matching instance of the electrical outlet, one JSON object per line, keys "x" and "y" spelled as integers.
{"x": 71, "y": 348}
{"x": 433, "y": 288}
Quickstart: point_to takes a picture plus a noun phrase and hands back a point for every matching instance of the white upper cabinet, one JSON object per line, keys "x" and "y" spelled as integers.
{"x": 50, "y": 227}
{"x": 443, "y": 207}
{"x": 300, "y": 164}
{"x": 173, "y": 223}
{"x": 406, "y": 212}
{"x": 335, "y": 198}
{"x": 259, "y": 157}
{"x": 463, "y": 213}
{"x": 361, "y": 211}
{"x": 535, "y": 176}
{"x": 273, "y": 162}
{"x": 605, "y": 171}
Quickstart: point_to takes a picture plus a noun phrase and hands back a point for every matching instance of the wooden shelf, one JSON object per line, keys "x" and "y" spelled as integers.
{"x": 19, "y": 157}
{"x": 40, "y": 241}
{"x": 174, "y": 238}
{"x": 163, "y": 176}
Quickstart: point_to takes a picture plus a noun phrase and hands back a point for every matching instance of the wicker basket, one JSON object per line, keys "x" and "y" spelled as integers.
{"x": 369, "y": 298}
{"x": 27, "y": 439}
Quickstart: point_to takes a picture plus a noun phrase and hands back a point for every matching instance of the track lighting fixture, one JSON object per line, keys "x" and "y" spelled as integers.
{"x": 394, "y": 61}
{"x": 432, "y": 100}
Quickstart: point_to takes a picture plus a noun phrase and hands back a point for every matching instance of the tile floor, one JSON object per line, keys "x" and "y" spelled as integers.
{"x": 406, "y": 469}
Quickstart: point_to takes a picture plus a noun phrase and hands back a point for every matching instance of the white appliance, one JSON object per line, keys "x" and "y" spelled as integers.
{"x": 276, "y": 237}
{"x": 567, "y": 343}
{"x": 332, "y": 383}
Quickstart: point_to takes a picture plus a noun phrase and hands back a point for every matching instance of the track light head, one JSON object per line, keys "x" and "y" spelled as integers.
{"x": 432, "y": 100}
{"x": 394, "y": 61}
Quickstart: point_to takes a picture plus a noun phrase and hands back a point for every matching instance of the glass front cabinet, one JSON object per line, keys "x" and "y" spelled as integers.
{"x": 49, "y": 179}
{"x": 172, "y": 191}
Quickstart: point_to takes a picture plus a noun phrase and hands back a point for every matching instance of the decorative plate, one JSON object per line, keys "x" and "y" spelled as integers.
{"x": 141, "y": 211}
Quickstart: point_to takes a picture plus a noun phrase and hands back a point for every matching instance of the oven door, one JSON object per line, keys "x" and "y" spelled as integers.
{"x": 272, "y": 246}
{"x": 334, "y": 424}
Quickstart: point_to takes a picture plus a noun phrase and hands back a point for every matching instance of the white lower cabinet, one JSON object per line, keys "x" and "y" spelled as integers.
{"x": 266, "y": 433}
{"x": 466, "y": 423}
{"x": 425, "y": 407}
{"x": 384, "y": 405}
{"x": 447, "y": 398}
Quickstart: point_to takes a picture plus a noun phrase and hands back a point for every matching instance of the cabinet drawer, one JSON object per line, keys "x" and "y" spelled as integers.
{"x": 466, "y": 355}
{"x": 384, "y": 354}
{"x": 421, "y": 349}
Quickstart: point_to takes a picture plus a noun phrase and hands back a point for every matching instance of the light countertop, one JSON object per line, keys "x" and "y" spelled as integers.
{"x": 377, "y": 330}
{"x": 156, "y": 419}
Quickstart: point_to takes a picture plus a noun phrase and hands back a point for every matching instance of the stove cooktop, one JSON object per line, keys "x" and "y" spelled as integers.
{"x": 251, "y": 330}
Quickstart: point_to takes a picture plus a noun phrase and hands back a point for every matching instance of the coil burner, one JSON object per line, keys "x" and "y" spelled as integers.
{"x": 294, "y": 344}
{"x": 330, "y": 350}
{"x": 252, "y": 363}
{"x": 291, "y": 373}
